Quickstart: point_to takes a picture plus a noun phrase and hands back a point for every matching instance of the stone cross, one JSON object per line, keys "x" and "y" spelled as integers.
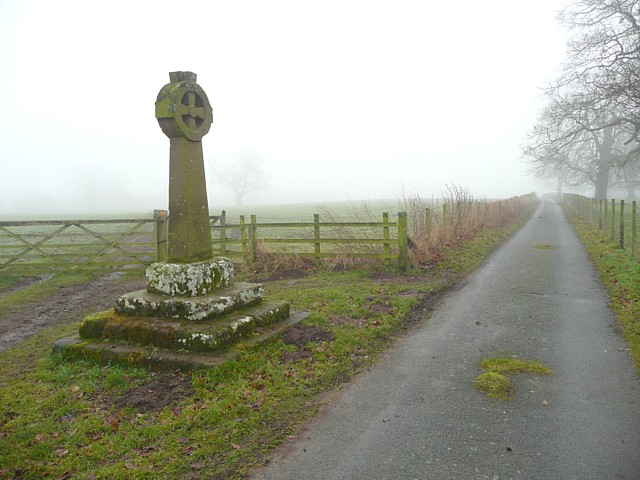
{"x": 184, "y": 114}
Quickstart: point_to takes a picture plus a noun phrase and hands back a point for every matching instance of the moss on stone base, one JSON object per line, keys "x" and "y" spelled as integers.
{"x": 205, "y": 336}
{"x": 93, "y": 325}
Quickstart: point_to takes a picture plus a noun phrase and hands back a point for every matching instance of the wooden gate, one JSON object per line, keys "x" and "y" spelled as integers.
{"x": 73, "y": 244}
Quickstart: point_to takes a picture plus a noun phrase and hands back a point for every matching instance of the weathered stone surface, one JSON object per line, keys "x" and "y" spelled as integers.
{"x": 182, "y": 107}
{"x": 161, "y": 359}
{"x": 189, "y": 279}
{"x": 184, "y": 114}
{"x": 216, "y": 304}
{"x": 203, "y": 336}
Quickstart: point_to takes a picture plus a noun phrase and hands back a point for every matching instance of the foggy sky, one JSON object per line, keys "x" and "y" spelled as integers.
{"x": 341, "y": 99}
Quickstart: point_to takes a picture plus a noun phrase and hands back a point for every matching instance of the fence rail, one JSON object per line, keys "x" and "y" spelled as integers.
{"x": 129, "y": 243}
{"x": 618, "y": 218}
{"x": 61, "y": 244}
{"x": 385, "y": 240}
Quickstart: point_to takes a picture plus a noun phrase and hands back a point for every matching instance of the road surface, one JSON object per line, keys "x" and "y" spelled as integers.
{"x": 416, "y": 414}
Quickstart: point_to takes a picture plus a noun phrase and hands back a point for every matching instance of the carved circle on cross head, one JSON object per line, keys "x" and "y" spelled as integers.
{"x": 183, "y": 109}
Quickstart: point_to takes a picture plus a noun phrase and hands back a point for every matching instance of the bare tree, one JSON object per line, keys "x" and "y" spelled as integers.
{"x": 589, "y": 131}
{"x": 577, "y": 143}
{"x": 244, "y": 174}
{"x": 604, "y": 58}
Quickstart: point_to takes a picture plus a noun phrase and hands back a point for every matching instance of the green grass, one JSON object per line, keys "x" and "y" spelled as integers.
{"x": 58, "y": 419}
{"x": 620, "y": 274}
{"x": 495, "y": 381}
{"x": 9, "y": 280}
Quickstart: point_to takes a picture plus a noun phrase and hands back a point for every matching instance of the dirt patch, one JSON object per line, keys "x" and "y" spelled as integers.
{"x": 297, "y": 355}
{"x": 288, "y": 274}
{"x": 300, "y": 335}
{"x": 358, "y": 322}
{"x": 161, "y": 391}
{"x": 380, "y": 307}
{"x": 69, "y": 304}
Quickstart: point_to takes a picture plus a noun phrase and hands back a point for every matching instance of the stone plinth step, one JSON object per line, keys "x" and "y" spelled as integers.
{"x": 190, "y": 279}
{"x": 206, "y": 336}
{"x": 160, "y": 359}
{"x": 205, "y": 307}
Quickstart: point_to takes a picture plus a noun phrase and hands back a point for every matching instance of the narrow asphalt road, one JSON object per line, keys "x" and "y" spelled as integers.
{"x": 416, "y": 415}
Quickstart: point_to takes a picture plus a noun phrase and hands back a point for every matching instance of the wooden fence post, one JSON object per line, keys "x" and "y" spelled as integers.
{"x": 403, "y": 252}
{"x": 600, "y": 215}
{"x": 613, "y": 219}
{"x": 444, "y": 214}
{"x": 621, "y": 239}
{"x": 243, "y": 238}
{"x": 253, "y": 240}
{"x": 161, "y": 227}
{"x": 385, "y": 236}
{"x": 223, "y": 232}
{"x": 633, "y": 229}
{"x": 316, "y": 237}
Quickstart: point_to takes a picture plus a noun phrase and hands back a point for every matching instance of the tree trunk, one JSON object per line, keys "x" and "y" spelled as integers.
{"x": 631, "y": 190}
{"x": 602, "y": 182}
{"x": 605, "y": 160}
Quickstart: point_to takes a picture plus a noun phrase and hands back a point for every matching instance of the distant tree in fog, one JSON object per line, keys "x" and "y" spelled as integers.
{"x": 577, "y": 144}
{"x": 243, "y": 174}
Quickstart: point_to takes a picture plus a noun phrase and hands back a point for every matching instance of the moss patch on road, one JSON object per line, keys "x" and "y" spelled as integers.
{"x": 495, "y": 381}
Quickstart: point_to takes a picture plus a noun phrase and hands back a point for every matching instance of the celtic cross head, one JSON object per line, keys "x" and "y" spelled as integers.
{"x": 182, "y": 108}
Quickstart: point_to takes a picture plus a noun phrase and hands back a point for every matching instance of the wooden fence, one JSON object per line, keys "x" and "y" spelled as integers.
{"x": 385, "y": 240}
{"x": 618, "y": 218}
{"x": 129, "y": 243}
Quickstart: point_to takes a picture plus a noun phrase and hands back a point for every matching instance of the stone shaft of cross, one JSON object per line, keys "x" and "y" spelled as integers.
{"x": 184, "y": 114}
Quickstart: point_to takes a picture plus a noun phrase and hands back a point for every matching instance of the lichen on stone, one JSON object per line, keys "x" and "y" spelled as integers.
{"x": 191, "y": 279}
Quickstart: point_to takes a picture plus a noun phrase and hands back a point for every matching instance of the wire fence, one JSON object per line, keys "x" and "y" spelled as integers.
{"x": 617, "y": 218}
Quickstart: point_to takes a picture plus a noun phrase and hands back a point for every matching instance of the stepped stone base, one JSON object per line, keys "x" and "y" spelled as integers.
{"x": 190, "y": 316}
{"x": 161, "y": 359}
{"x": 206, "y": 336}
{"x": 145, "y": 304}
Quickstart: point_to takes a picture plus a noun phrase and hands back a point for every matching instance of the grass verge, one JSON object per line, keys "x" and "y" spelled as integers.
{"x": 619, "y": 273}
{"x": 61, "y": 420}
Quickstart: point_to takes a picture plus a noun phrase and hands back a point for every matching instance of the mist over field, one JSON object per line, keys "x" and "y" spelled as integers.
{"x": 334, "y": 101}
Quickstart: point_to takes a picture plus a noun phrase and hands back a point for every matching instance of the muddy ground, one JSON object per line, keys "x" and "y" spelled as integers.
{"x": 69, "y": 305}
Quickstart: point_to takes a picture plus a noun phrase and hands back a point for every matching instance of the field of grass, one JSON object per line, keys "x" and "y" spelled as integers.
{"x": 274, "y": 213}
{"x": 61, "y": 419}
